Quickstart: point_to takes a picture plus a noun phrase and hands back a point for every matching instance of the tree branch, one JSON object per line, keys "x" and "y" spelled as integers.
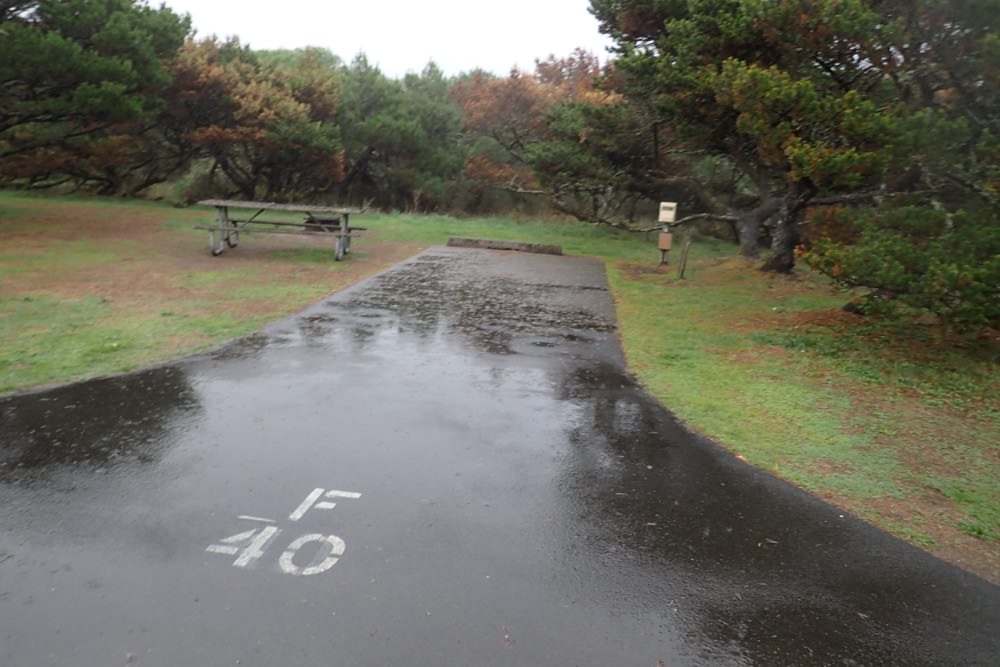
{"x": 517, "y": 189}
{"x": 851, "y": 198}
{"x": 56, "y": 140}
{"x": 693, "y": 218}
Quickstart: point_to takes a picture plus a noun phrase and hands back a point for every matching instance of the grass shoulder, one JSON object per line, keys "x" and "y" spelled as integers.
{"x": 896, "y": 424}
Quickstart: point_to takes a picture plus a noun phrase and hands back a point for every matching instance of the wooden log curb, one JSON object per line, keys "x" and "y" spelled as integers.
{"x": 492, "y": 244}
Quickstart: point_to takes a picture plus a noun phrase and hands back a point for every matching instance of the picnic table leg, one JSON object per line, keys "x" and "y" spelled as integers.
{"x": 346, "y": 229}
{"x": 216, "y": 248}
{"x": 220, "y": 247}
{"x": 232, "y": 237}
{"x": 338, "y": 252}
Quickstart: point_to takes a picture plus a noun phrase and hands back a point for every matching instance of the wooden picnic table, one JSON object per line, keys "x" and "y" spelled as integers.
{"x": 330, "y": 219}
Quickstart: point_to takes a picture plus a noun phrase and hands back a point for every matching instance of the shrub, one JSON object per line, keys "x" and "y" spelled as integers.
{"x": 922, "y": 257}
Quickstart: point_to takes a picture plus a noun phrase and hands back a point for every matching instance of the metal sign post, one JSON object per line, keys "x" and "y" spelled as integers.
{"x": 668, "y": 213}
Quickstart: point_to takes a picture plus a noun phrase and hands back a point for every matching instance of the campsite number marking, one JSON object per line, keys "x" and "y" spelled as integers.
{"x": 250, "y": 546}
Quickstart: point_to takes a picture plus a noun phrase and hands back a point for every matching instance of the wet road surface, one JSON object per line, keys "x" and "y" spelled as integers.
{"x": 446, "y": 465}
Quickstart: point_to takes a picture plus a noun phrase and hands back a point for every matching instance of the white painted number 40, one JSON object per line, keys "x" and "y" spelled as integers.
{"x": 249, "y": 546}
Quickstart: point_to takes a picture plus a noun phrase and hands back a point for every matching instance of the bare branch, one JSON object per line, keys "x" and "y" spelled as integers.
{"x": 513, "y": 186}
{"x": 705, "y": 216}
{"x": 693, "y": 218}
{"x": 851, "y": 198}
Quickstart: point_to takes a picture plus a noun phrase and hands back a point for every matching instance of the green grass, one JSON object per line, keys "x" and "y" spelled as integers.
{"x": 56, "y": 339}
{"x": 883, "y": 353}
{"x": 575, "y": 238}
{"x": 975, "y": 494}
{"x": 278, "y": 293}
{"x": 681, "y": 350}
{"x": 912, "y": 534}
{"x": 51, "y": 340}
{"x": 45, "y": 340}
{"x": 64, "y": 254}
{"x": 220, "y": 280}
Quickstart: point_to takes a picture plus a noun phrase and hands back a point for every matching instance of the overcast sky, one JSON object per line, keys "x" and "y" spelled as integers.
{"x": 403, "y": 35}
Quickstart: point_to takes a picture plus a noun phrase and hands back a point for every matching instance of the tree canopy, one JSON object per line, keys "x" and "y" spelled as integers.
{"x": 884, "y": 109}
{"x": 73, "y": 70}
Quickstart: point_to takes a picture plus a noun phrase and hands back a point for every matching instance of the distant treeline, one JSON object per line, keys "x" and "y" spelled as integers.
{"x": 862, "y": 135}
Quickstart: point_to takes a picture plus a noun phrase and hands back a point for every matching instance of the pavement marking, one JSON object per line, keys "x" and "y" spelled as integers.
{"x": 315, "y": 495}
{"x": 249, "y": 546}
{"x": 310, "y": 500}
{"x": 255, "y": 545}
{"x": 255, "y": 549}
{"x": 235, "y": 539}
{"x": 336, "y": 549}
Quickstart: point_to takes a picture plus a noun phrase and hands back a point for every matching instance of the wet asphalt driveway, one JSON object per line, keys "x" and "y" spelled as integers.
{"x": 446, "y": 465}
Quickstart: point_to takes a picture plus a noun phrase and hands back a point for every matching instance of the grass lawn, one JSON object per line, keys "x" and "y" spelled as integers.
{"x": 896, "y": 424}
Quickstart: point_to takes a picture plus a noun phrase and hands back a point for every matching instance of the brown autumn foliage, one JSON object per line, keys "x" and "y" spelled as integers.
{"x": 512, "y": 111}
{"x": 269, "y": 130}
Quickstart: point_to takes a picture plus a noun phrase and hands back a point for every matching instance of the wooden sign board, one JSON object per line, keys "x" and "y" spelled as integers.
{"x": 666, "y": 240}
{"x": 668, "y": 211}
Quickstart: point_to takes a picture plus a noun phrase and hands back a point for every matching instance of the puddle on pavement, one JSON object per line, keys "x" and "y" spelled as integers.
{"x": 94, "y": 426}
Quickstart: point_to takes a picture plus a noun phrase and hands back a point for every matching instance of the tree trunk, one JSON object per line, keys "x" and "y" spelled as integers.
{"x": 749, "y": 232}
{"x": 750, "y": 225}
{"x": 787, "y": 234}
{"x": 361, "y": 164}
{"x": 786, "y": 238}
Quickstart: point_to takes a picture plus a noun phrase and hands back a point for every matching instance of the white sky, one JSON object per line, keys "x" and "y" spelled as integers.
{"x": 403, "y": 35}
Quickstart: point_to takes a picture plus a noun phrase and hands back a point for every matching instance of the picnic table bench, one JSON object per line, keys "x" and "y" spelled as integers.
{"x": 330, "y": 219}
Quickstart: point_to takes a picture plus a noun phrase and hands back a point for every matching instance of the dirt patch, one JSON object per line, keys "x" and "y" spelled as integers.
{"x": 830, "y": 319}
{"x": 152, "y": 258}
{"x": 928, "y": 523}
{"x": 669, "y": 271}
{"x": 636, "y": 271}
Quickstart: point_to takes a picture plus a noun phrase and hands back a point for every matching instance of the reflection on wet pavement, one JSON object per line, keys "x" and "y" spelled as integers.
{"x": 523, "y": 502}
{"x": 67, "y": 428}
